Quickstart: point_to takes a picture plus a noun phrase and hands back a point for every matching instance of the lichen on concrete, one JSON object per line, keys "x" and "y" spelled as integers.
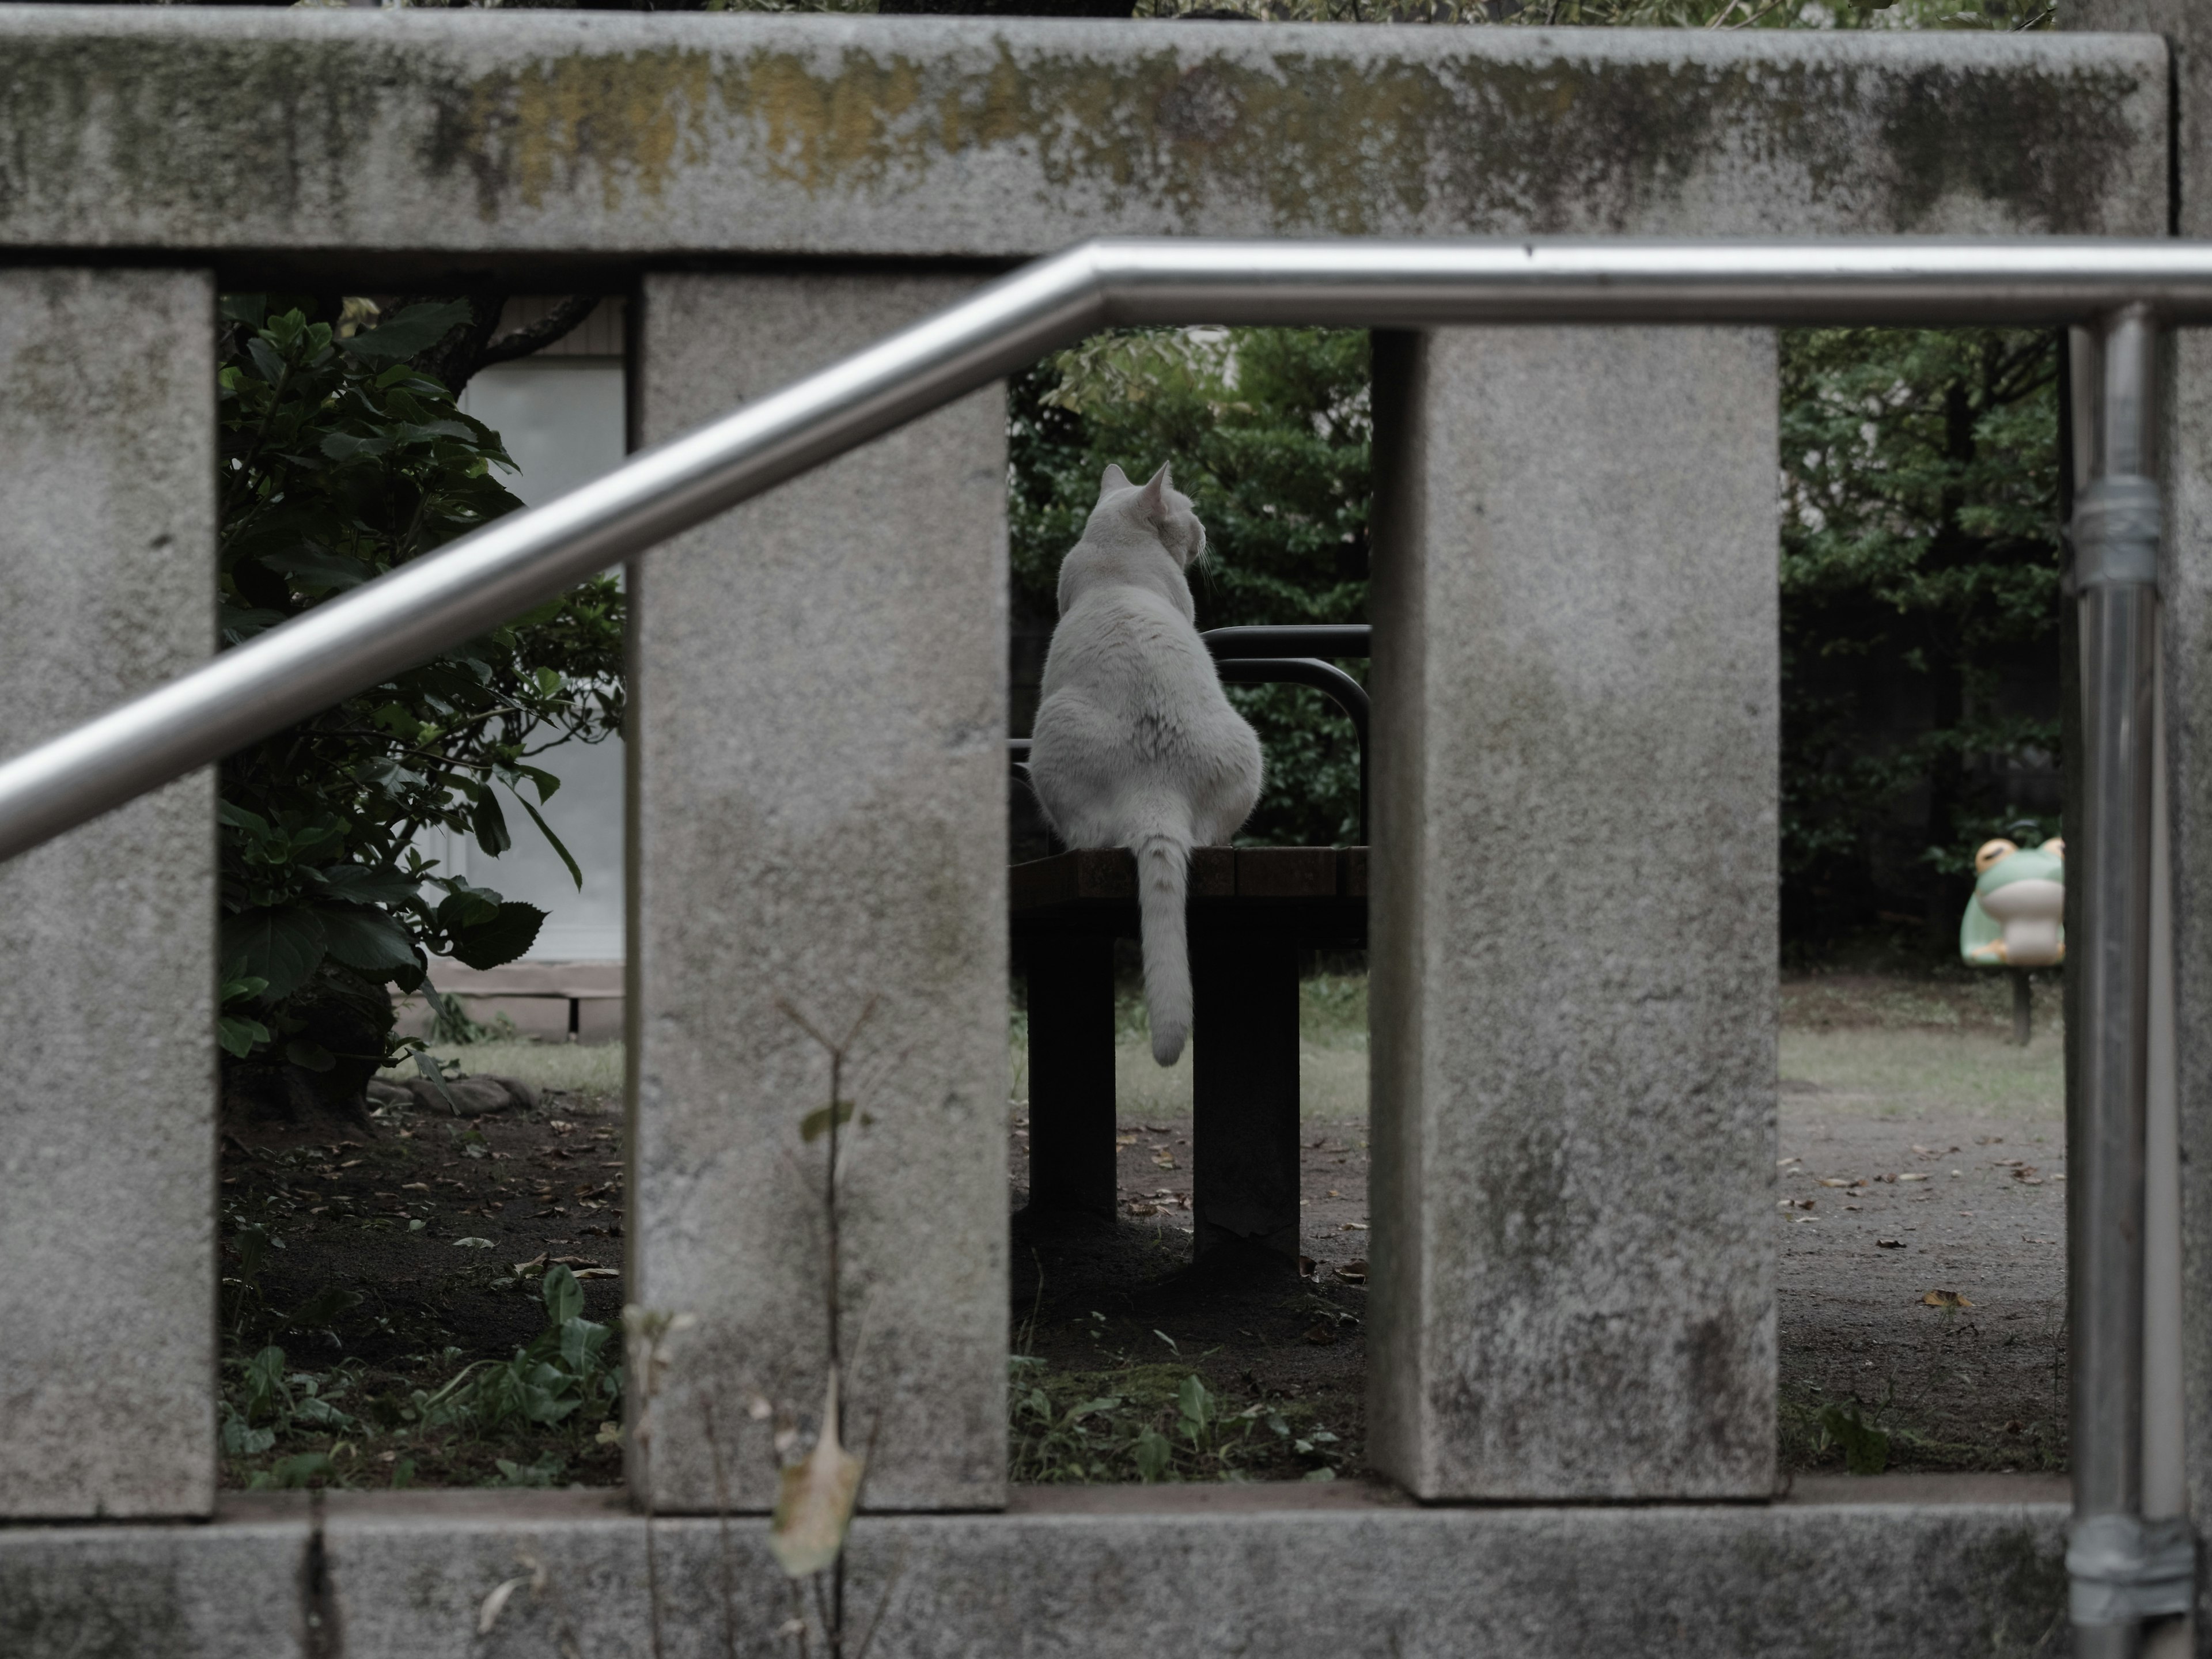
{"x": 614, "y": 136}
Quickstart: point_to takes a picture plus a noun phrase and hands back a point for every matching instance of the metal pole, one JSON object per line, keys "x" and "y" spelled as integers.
{"x": 2118, "y": 1573}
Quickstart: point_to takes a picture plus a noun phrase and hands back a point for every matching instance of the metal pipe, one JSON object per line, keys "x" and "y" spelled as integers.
{"x": 1329, "y": 680}
{"x": 1275, "y": 640}
{"x": 2116, "y": 1569}
{"x": 410, "y": 615}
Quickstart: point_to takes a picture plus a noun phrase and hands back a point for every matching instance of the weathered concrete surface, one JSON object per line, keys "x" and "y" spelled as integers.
{"x": 251, "y": 133}
{"x": 1851, "y": 1582}
{"x": 108, "y": 934}
{"x": 231, "y": 1591}
{"x": 1574, "y": 935}
{"x": 817, "y": 730}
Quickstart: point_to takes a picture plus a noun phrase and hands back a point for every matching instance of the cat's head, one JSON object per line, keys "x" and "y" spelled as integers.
{"x": 1156, "y": 509}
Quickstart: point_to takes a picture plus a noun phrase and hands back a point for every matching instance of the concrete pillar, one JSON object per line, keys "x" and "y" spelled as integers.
{"x": 817, "y": 735}
{"x": 1574, "y": 926}
{"x": 107, "y": 588}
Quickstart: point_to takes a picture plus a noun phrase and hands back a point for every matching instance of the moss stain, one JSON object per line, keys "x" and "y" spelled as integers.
{"x": 1290, "y": 140}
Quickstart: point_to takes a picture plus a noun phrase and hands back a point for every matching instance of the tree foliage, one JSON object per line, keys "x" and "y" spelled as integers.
{"x": 1269, "y": 433}
{"x": 1921, "y": 553}
{"x": 341, "y": 460}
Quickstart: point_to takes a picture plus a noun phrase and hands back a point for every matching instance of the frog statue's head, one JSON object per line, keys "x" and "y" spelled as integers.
{"x": 2015, "y": 919}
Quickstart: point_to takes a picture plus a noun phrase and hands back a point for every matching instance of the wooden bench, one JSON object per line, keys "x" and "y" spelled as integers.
{"x": 1252, "y": 911}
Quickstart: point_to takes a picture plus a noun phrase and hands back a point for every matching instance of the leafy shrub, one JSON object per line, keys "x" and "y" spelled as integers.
{"x": 1153, "y": 1423}
{"x": 341, "y": 462}
{"x": 566, "y": 1369}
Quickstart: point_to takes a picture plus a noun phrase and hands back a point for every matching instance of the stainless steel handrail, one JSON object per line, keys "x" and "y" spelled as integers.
{"x": 2126, "y": 291}
{"x": 404, "y": 618}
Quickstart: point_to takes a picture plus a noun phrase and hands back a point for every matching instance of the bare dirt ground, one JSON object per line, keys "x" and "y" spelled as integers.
{"x": 1922, "y": 1156}
{"x": 1888, "y": 1085}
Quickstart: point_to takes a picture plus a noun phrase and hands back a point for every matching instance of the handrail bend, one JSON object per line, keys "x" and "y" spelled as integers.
{"x": 413, "y": 613}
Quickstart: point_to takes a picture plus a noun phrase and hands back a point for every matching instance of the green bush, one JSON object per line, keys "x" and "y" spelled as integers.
{"x": 341, "y": 462}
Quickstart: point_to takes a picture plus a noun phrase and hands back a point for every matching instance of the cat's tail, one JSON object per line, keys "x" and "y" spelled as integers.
{"x": 1163, "y": 884}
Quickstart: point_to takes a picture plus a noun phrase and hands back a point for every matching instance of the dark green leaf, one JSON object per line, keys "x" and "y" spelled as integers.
{"x": 346, "y": 447}
{"x": 361, "y": 885}
{"x": 537, "y": 817}
{"x": 512, "y": 930}
{"x": 489, "y": 824}
{"x": 238, "y": 1036}
{"x": 361, "y": 936}
{"x": 309, "y": 1056}
{"x": 318, "y": 567}
{"x": 816, "y": 1123}
{"x": 564, "y": 1296}
{"x": 282, "y": 944}
{"x": 247, "y": 309}
{"x": 407, "y": 333}
{"x": 266, "y": 362}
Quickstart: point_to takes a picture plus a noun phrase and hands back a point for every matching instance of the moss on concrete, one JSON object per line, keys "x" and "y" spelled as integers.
{"x": 1305, "y": 129}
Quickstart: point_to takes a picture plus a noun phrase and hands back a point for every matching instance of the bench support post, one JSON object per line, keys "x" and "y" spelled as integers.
{"x": 1071, "y": 999}
{"x": 1244, "y": 1142}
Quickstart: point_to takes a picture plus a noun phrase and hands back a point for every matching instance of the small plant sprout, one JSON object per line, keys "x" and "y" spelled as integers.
{"x": 818, "y": 1485}
{"x": 647, "y": 1331}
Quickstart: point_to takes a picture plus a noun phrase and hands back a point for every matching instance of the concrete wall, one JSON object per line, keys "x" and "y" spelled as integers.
{"x": 107, "y": 1255}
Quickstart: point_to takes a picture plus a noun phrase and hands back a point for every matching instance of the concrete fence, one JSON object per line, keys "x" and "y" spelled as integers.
{"x": 1574, "y": 608}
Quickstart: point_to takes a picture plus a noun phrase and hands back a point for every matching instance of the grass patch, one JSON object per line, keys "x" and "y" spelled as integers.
{"x": 1155, "y": 1423}
{"x": 1890, "y": 1071}
{"x": 594, "y": 1068}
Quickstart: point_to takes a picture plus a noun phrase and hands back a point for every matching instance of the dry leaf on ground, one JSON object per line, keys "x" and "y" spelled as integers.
{"x": 1945, "y": 1299}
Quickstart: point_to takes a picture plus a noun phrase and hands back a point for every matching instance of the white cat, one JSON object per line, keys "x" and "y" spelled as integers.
{"x": 1134, "y": 743}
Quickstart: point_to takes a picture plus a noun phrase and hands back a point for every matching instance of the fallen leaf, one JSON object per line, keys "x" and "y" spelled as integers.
{"x": 1154, "y": 1128}
{"x": 1166, "y": 1160}
{"x": 1928, "y": 1151}
{"x": 472, "y": 1244}
{"x": 416, "y": 1186}
{"x": 814, "y": 1500}
{"x": 598, "y": 1273}
{"x": 1333, "y": 1192}
{"x": 1307, "y": 1268}
{"x": 495, "y": 1603}
{"x": 1322, "y": 1336}
{"x": 1945, "y": 1299}
{"x": 1832, "y": 1181}
{"x": 1889, "y": 1243}
{"x": 1355, "y": 1227}
{"x": 1353, "y": 1272}
{"x": 1913, "y": 1175}
{"x": 1142, "y": 1206}
{"x": 1125, "y": 1141}
{"x": 2015, "y": 1426}
{"x": 2024, "y": 1172}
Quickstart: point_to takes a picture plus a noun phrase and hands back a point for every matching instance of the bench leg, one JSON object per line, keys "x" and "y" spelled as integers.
{"x": 1244, "y": 1145}
{"x": 1071, "y": 1152}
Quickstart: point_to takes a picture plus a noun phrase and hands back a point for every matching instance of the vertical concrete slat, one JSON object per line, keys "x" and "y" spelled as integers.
{"x": 1574, "y": 916}
{"x": 107, "y": 588}
{"x": 818, "y": 734}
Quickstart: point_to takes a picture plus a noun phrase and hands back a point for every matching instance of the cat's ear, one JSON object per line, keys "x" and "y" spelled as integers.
{"x": 1153, "y": 502}
{"x": 1115, "y": 479}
